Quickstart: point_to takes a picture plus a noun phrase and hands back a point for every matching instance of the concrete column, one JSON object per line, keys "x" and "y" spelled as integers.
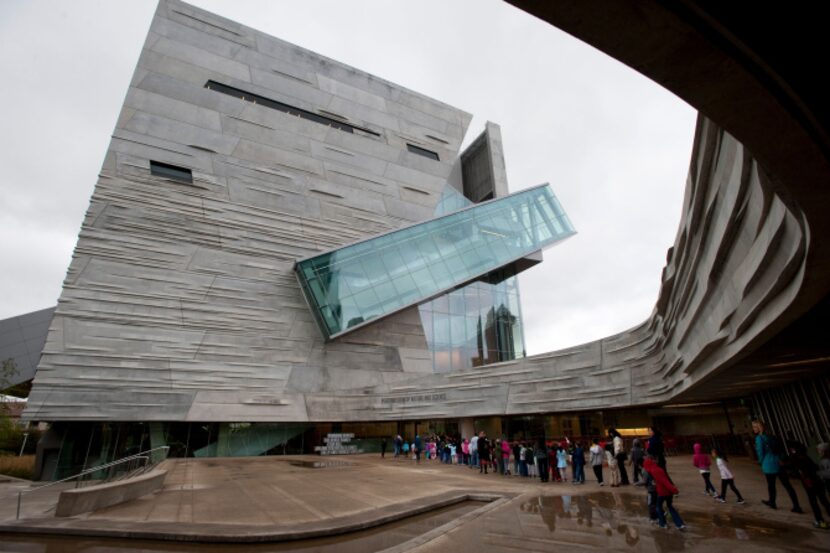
{"x": 467, "y": 427}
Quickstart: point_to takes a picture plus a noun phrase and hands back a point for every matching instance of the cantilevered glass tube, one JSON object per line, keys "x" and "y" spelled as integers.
{"x": 353, "y": 285}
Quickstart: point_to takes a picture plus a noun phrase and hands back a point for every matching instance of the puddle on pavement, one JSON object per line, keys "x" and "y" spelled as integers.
{"x": 364, "y": 541}
{"x": 623, "y": 520}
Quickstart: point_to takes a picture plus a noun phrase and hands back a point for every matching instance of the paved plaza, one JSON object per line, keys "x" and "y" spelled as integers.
{"x": 264, "y": 496}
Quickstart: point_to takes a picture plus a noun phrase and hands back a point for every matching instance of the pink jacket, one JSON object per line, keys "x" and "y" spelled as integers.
{"x": 505, "y": 449}
{"x": 701, "y": 460}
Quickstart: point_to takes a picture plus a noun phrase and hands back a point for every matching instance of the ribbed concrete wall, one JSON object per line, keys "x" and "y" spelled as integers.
{"x": 180, "y": 303}
{"x": 734, "y": 269}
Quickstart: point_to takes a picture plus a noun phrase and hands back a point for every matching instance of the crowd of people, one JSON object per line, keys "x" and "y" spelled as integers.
{"x": 556, "y": 461}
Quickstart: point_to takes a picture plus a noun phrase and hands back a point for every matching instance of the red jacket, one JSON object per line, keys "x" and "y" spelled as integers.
{"x": 661, "y": 480}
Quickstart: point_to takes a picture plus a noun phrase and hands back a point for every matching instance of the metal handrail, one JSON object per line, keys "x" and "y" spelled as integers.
{"x": 140, "y": 456}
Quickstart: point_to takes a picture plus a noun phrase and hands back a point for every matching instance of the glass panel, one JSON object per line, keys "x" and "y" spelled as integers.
{"x": 456, "y": 248}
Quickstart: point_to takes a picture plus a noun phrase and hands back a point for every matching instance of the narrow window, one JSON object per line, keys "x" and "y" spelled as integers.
{"x": 422, "y": 152}
{"x": 285, "y": 108}
{"x": 174, "y": 172}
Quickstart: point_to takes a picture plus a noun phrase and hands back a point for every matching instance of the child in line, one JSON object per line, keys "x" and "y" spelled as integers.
{"x": 665, "y": 493}
{"x": 703, "y": 463}
{"x": 637, "y": 456}
{"x": 562, "y": 462}
{"x": 726, "y": 478}
{"x": 596, "y": 461}
{"x": 612, "y": 465}
{"x": 531, "y": 461}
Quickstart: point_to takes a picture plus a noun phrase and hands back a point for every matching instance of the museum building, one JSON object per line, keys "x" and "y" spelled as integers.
{"x": 280, "y": 246}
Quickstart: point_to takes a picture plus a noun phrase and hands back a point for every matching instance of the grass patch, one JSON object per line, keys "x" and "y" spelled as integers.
{"x": 19, "y": 467}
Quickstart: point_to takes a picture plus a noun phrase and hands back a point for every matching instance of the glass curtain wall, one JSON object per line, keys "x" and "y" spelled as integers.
{"x": 478, "y": 324}
{"x": 376, "y": 277}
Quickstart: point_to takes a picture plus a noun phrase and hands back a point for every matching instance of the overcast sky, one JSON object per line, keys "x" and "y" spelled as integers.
{"x": 614, "y": 146}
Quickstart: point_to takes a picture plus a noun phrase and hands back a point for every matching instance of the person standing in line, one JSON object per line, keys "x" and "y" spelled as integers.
{"x": 416, "y": 447}
{"x": 465, "y": 451}
{"x": 553, "y": 464}
{"x": 531, "y": 460}
{"x": 483, "y": 453}
{"x": 496, "y": 456}
{"x": 637, "y": 456}
{"x": 505, "y": 456}
{"x": 578, "y": 462}
{"x": 517, "y": 451}
{"x": 769, "y": 450}
{"x": 596, "y": 460}
{"x": 665, "y": 494}
{"x": 383, "y": 447}
{"x": 474, "y": 451}
{"x": 807, "y": 471}
{"x": 398, "y": 445}
{"x": 726, "y": 477}
{"x": 540, "y": 452}
{"x": 612, "y": 465}
{"x": 562, "y": 463}
{"x": 701, "y": 461}
{"x": 619, "y": 455}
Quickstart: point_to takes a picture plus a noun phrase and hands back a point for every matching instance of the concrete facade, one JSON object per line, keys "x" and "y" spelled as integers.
{"x": 181, "y": 305}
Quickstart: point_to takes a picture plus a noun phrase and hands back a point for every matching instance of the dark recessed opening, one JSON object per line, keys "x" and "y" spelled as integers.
{"x": 285, "y": 108}
{"x": 174, "y": 172}
{"x": 422, "y": 152}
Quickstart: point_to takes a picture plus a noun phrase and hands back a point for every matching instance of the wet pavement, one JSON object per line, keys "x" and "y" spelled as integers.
{"x": 265, "y": 495}
{"x": 618, "y": 522}
{"x": 365, "y": 541}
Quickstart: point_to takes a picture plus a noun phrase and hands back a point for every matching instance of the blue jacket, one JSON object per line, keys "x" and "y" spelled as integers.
{"x": 578, "y": 457}
{"x": 769, "y": 460}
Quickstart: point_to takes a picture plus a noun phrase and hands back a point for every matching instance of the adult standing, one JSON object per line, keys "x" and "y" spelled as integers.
{"x": 769, "y": 451}
{"x": 505, "y": 456}
{"x": 474, "y": 451}
{"x": 483, "y": 452}
{"x": 619, "y": 455}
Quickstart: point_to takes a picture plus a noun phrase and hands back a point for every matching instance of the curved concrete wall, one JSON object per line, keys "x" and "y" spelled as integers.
{"x": 180, "y": 303}
{"x": 736, "y": 266}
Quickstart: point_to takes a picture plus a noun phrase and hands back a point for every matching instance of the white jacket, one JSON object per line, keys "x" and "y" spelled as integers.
{"x": 619, "y": 446}
{"x": 723, "y": 468}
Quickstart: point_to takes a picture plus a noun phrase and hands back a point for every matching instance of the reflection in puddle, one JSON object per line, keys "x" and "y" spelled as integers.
{"x": 624, "y": 519}
{"x": 320, "y": 464}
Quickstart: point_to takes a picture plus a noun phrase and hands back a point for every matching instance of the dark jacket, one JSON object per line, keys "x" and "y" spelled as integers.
{"x": 484, "y": 449}
{"x": 578, "y": 456}
{"x": 655, "y": 446}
